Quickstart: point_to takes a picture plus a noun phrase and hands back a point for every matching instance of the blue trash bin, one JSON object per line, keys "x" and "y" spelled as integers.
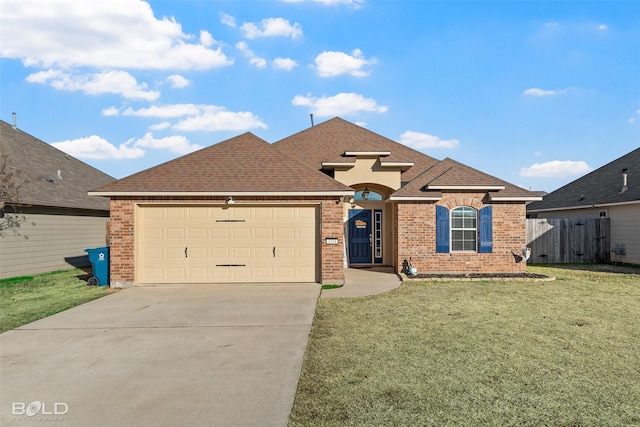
{"x": 99, "y": 258}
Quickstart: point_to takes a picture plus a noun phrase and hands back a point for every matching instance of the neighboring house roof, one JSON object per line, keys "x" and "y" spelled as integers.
{"x": 602, "y": 187}
{"x": 451, "y": 175}
{"x": 328, "y": 141}
{"x": 243, "y": 165}
{"x": 51, "y": 177}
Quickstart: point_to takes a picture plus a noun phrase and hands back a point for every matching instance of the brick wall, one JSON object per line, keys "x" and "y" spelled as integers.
{"x": 415, "y": 228}
{"x": 122, "y": 239}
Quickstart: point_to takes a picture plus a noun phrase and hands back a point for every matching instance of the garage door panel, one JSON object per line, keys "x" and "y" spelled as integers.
{"x": 287, "y": 213}
{"x": 218, "y": 254}
{"x": 264, "y": 273}
{"x": 286, "y": 272}
{"x": 241, "y": 273}
{"x": 286, "y": 233}
{"x": 262, "y": 214}
{"x": 216, "y": 237}
{"x": 198, "y": 234}
{"x": 175, "y": 234}
{"x": 241, "y": 254}
{"x": 199, "y": 274}
{"x": 198, "y": 213}
{"x": 175, "y": 213}
{"x": 243, "y": 233}
{"x": 198, "y": 253}
{"x": 176, "y": 273}
{"x": 263, "y": 253}
{"x": 219, "y": 233}
{"x": 306, "y": 233}
{"x": 263, "y": 233}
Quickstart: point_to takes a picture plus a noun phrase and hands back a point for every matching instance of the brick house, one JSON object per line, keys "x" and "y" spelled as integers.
{"x": 304, "y": 208}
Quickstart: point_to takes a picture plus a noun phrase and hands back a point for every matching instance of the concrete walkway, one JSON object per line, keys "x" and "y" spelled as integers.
{"x": 193, "y": 356}
{"x": 359, "y": 282}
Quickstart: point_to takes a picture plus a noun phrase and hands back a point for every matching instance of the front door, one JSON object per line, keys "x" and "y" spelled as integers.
{"x": 359, "y": 236}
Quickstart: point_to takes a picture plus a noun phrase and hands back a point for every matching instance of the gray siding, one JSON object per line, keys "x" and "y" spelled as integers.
{"x": 57, "y": 241}
{"x": 625, "y": 230}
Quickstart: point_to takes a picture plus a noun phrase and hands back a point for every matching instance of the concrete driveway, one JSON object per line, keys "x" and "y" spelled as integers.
{"x": 162, "y": 356}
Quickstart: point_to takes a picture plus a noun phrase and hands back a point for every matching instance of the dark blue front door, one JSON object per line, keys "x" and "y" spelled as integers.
{"x": 360, "y": 236}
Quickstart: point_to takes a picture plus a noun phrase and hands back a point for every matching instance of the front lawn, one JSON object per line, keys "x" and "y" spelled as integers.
{"x": 26, "y": 299}
{"x": 559, "y": 353}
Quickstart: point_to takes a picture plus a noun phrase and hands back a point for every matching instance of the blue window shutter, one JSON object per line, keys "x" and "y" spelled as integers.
{"x": 442, "y": 230}
{"x": 486, "y": 230}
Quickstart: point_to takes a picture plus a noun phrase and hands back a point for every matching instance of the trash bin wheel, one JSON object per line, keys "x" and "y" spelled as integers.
{"x": 93, "y": 281}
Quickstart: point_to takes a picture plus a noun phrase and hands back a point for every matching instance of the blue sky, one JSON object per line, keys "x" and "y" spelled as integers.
{"x": 535, "y": 93}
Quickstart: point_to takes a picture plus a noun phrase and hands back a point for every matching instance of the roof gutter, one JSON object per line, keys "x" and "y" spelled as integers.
{"x": 598, "y": 205}
{"x": 218, "y": 193}
{"x": 414, "y": 198}
{"x": 516, "y": 199}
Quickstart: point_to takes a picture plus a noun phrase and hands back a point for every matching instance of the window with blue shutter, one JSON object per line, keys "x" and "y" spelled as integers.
{"x": 485, "y": 232}
{"x": 442, "y": 229}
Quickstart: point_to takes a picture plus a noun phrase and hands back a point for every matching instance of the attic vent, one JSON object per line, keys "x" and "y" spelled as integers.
{"x": 47, "y": 178}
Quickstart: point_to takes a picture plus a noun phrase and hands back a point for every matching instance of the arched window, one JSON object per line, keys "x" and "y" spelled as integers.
{"x": 367, "y": 194}
{"x": 464, "y": 229}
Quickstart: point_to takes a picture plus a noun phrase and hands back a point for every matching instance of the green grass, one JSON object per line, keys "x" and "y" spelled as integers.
{"x": 29, "y": 298}
{"x": 559, "y": 353}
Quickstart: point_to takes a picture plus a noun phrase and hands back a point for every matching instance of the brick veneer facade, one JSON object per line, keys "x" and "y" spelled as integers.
{"x": 415, "y": 230}
{"x": 122, "y": 237}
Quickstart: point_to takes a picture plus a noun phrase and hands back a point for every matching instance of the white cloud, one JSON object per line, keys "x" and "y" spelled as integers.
{"x": 110, "y": 111}
{"x": 556, "y": 168}
{"x": 165, "y": 111}
{"x": 175, "y": 143}
{"x": 534, "y": 91}
{"x": 201, "y": 117}
{"x": 331, "y": 64}
{"x": 228, "y": 20}
{"x": 160, "y": 126}
{"x": 114, "y": 82}
{"x": 539, "y": 92}
{"x": 178, "y": 81}
{"x": 421, "y": 141}
{"x": 253, "y": 59}
{"x": 258, "y": 62}
{"x": 271, "y": 27}
{"x": 356, "y": 4}
{"x": 206, "y": 39}
{"x": 353, "y": 3}
{"x": 95, "y": 147}
{"x": 287, "y": 64}
{"x": 213, "y": 118}
{"x": 101, "y": 34}
{"x": 338, "y": 105}
{"x": 603, "y": 27}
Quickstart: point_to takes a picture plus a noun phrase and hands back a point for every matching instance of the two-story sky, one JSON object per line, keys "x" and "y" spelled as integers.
{"x": 536, "y": 93}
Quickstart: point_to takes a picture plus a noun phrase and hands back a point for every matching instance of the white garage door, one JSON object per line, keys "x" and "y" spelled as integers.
{"x": 214, "y": 244}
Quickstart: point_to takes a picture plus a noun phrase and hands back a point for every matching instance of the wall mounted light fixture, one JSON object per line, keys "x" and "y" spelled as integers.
{"x": 365, "y": 193}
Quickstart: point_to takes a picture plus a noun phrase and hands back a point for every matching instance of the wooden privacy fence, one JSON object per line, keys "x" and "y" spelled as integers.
{"x": 568, "y": 240}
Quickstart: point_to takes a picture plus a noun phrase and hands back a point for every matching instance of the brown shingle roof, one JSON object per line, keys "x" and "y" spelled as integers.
{"x": 327, "y": 141}
{"x": 243, "y": 164}
{"x": 39, "y": 163}
{"x": 451, "y": 174}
